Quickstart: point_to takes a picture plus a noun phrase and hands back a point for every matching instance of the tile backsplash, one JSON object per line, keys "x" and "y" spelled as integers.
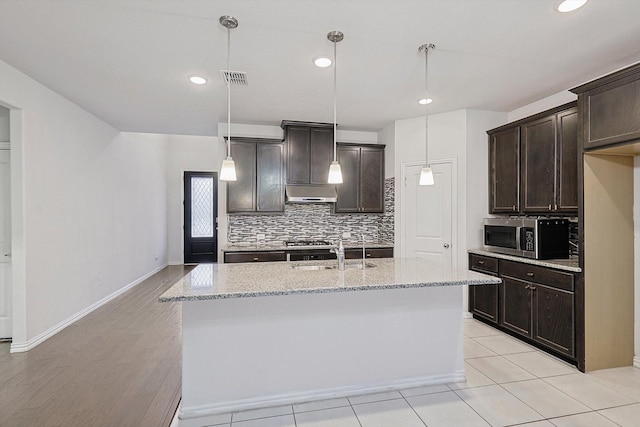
{"x": 315, "y": 221}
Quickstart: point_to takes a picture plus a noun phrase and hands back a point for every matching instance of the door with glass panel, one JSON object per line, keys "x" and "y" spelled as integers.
{"x": 200, "y": 217}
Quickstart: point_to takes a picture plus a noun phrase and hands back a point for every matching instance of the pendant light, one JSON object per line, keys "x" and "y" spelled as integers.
{"x": 426, "y": 174}
{"x": 228, "y": 168}
{"x": 335, "y": 173}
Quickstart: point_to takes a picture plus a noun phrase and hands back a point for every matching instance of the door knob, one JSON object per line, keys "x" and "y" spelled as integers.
{"x": 446, "y": 245}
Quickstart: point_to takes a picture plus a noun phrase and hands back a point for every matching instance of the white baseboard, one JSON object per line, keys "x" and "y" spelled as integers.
{"x": 19, "y": 347}
{"x": 636, "y": 362}
{"x": 200, "y": 411}
{"x": 467, "y": 315}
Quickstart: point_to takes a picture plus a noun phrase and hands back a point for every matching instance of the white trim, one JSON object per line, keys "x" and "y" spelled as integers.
{"x": 467, "y": 315}
{"x": 5, "y": 146}
{"x": 19, "y": 347}
{"x": 312, "y": 395}
{"x": 636, "y": 362}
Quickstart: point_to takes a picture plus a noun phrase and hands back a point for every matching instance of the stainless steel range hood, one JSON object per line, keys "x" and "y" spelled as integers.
{"x": 311, "y": 194}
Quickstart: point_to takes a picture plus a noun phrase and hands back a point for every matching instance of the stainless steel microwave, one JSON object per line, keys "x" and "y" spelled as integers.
{"x": 539, "y": 238}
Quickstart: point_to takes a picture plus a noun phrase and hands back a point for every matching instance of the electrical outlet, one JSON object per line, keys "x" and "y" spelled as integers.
{"x": 346, "y": 235}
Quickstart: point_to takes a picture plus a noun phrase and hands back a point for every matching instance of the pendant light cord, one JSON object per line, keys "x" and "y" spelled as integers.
{"x": 335, "y": 91}
{"x": 228, "y": 93}
{"x": 426, "y": 105}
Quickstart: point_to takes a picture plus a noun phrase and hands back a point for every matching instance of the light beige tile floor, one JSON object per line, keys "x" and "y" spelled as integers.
{"x": 508, "y": 383}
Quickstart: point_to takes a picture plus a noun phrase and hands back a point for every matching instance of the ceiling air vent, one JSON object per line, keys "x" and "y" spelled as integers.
{"x": 234, "y": 77}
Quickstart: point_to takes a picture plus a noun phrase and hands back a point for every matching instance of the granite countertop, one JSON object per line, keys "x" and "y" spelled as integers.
{"x": 570, "y": 264}
{"x": 220, "y": 281}
{"x": 280, "y": 246}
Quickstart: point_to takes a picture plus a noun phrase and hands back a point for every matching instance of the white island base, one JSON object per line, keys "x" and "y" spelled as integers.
{"x": 246, "y": 353}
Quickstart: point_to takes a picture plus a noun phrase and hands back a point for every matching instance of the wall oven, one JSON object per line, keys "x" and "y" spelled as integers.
{"x": 539, "y": 238}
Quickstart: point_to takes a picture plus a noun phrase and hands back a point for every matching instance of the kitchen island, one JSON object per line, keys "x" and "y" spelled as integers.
{"x": 266, "y": 334}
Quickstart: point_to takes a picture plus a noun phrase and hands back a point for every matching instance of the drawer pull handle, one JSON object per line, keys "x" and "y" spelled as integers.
{"x": 256, "y": 259}
{"x": 369, "y": 255}
{"x": 530, "y": 274}
{"x": 527, "y": 286}
{"x": 481, "y": 262}
{"x": 533, "y": 288}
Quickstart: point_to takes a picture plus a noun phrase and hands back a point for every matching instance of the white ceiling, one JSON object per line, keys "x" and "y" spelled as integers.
{"x": 127, "y": 61}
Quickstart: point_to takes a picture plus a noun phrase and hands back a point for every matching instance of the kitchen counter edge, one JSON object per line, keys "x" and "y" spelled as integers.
{"x": 559, "y": 264}
{"x": 180, "y": 292}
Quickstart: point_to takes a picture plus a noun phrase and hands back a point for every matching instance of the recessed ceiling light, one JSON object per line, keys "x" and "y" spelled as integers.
{"x": 570, "y": 5}
{"x": 197, "y": 80}
{"x": 424, "y": 101}
{"x": 322, "y": 62}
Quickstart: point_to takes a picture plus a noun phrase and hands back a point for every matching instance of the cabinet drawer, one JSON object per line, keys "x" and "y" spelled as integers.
{"x": 230, "y": 257}
{"x": 538, "y": 274}
{"x": 483, "y": 264}
{"x": 369, "y": 253}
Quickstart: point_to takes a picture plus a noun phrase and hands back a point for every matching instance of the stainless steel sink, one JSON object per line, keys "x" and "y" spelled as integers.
{"x": 358, "y": 266}
{"x": 350, "y": 266}
{"x": 313, "y": 267}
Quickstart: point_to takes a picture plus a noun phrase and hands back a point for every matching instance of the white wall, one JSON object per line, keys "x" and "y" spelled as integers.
{"x": 459, "y": 135}
{"x": 191, "y": 153}
{"x": 477, "y": 184}
{"x": 387, "y": 136}
{"x": 636, "y": 227}
{"x": 541, "y": 105}
{"x": 89, "y": 204}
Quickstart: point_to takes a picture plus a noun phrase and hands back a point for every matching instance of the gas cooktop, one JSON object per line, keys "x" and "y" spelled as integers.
{"x": 307, "y": 243}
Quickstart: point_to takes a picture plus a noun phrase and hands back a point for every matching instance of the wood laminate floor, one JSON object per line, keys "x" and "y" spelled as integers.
{"x": 118, "y": 366}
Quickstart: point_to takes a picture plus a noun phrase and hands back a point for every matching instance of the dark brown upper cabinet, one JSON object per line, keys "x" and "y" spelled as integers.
{"x": 549, "y": 163}
{"x": 362, "y": 188}
{"x": 533, "y": 164}
{"x": 309, "y": 151}
{"x": 504, "y": 171}
{"x": 610, "y": 109}
{"x": 259, "y": 187}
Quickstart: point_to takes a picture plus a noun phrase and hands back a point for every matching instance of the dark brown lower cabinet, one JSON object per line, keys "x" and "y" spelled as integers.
{"x": 483, "y": 299}
{"x": 261, "y": 256}
{"x": 553, "y": 311}
{"x": 369, "y": 253}
{"x": 533, "y": 302}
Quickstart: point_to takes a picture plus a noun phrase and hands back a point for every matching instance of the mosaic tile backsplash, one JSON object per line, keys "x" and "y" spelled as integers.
{"x": 315, "y": 221}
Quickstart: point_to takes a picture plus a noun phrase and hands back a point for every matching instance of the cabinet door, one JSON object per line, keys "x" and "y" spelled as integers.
{"x": 612, "y": 112}
{"x": 567, "y": 192}
{"x": 298, "y": 151}
{"x": 321, "y": 151}
{"x": 504, "y": 171}
{"x": 539, "y": 165}
{"x": 372, "y": 180}
{"x": 483, "y": 301}
{"x": 516, "y": 305}
{"x": 348, "y": 197}
{"x": 241, "y": 194}
{"x": 270, "y": 178}
{"x": 553, "y": 318}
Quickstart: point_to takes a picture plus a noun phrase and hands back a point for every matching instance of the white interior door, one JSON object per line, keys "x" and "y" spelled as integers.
{"x": 427, "y": 214}
{"x": 5, "y": 246}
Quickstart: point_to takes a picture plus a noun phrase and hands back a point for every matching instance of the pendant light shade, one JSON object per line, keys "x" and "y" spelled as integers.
{"x": 228, "y": 168}
{"x": 426, "y": 174}
{"x": 335, "y": 173}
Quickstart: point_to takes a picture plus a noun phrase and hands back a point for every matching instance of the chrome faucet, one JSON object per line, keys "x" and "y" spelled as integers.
{"x": 340, "y": 255}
